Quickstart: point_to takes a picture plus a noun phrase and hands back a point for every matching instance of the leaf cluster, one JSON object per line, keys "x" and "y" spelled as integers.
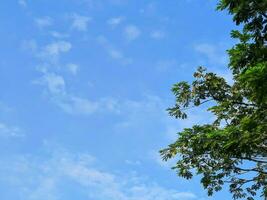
{"x": 232, "y": 149}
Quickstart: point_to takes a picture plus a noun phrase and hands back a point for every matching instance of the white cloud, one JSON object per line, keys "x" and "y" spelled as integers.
{"x": 22, "y": 3}
{"x": 113, "y": 52}
{"x": 45, "y": 190}
{"x": 55, "y": 48}
{"x": 40, "y": 179}
{"x": 150, "y": 9}
{"x": 9, "y": 131}
{"x": 136, "y": 112}
{"x": 73, "y": 68}
{"x": 132, "y": 32}
{"x": 116, "y": 54}
{"x": 76, "y": 105}
{"x": 44, "y": 22}
{"x": 133, "y": 162}
{"x": 91, "y": 4}
{"x": 79, "y": 22}
{"x": 59, "y": 35}
{"x": 157, "y": 34}
{"x": 212, "y": 53}
{"x": 55, "y": 83}
{"x": 55, "y": 88}
{"x": 115, "y": 21}
{"x": 111, "y": 104}
{"x": 51, "y": 52}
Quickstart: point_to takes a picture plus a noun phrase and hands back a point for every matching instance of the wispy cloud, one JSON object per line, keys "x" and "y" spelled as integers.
{"x": 113, "y": 52}
{"x": 116, "y": 54}
{"x": 51, "y": 52}
{"x": 58, "y": 35}
{"x": 132, "y": 32}
{"x": 212, "y": 53}
{"x": 150, "y": 9}
{"x": 9, "y": 131}
{"x": 115, "y": 21}
{"x": 80, "y": 22}
{"x": 49, "y": 55}
{"x": 55, "y": 87}
{"x": 43, "y": 179}
{"x": 149, "y": 108}
{"x": 157, "y": 34}
{"x": 133, "y": 162}
{"x": 43, "y": 22}
{"x": 55, "y": 48}
{"x": 22, "y": 3}
{"x": 54, "y": 83}
{"x": 77, "y": 105}
{"x": 73, "y": 68}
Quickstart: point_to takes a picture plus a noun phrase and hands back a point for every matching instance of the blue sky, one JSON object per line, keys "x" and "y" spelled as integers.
{"x": 84, "y": 89}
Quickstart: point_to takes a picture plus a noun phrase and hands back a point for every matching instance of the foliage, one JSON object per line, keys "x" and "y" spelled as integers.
{"x": 232, "y": 149}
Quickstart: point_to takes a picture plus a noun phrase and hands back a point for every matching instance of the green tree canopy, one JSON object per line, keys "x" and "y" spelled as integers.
{"x": 233, "y": 149}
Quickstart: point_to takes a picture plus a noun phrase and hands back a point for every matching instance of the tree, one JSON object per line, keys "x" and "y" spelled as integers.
{"x": 233, "y": 149}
